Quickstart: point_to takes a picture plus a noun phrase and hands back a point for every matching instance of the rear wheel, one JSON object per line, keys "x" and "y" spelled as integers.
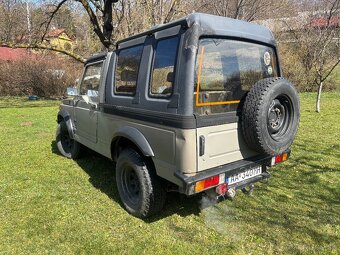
{"x": 67, "y": 146}
{"x": 270, "y": 116}
{"x": 139, "y": 188}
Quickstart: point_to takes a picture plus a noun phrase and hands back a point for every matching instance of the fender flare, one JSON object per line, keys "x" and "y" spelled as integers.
{"x": 135, "y": 136}
{"x": 64, "y": 115}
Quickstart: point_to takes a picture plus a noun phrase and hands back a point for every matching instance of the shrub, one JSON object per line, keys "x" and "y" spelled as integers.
{"x": 304, "y": 79}
{"x": 44, "y": 76}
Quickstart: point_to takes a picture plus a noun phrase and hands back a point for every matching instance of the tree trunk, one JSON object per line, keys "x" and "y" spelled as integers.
{"x": 107, "y": 17}
{"x": 319, "y": 97}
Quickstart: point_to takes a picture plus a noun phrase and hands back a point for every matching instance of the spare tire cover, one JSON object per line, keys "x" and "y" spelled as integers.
{"x": 270, "y": 116}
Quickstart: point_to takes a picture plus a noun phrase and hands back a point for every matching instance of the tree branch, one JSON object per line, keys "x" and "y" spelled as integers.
{"x": 43, "y": 47}
{"x": 331, "y": 70}
{"x": 171, "y": 11}
{"x": 97, "y": 5}
{"x": 48, "y": 23}
{"x": 95, "y": 23}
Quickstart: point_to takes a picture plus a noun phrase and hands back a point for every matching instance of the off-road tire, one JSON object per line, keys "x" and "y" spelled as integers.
{"x": 140, "y": 190}
{"x": 67, "y": 146}
{"x": 270, "y": 116}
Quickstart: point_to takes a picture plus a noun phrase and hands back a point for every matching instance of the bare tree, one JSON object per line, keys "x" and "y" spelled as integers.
{"x": 134, "y": 16}
{"x": 317, "y": 42}
{"x": 99, "y": 13}
{"x": 248, "y": 10}
{"x": 108, "y": 23}
{"x": 15, "y": 32}
{"x": 12, "y": 20}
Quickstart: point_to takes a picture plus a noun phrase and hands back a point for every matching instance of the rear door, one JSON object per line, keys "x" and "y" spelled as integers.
{"x": 226, "y": 69}
{"x": 86, "y": 103}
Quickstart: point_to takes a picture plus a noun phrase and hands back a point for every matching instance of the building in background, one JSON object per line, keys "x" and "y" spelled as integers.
{"x": 59, "y": 39}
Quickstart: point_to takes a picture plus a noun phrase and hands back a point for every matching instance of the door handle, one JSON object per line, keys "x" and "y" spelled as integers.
{"x": 202, "y": 145}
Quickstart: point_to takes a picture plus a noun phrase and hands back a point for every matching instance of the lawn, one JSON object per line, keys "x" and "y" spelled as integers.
{"x": 335, "y": 77}
{"x": 52, "y": 205}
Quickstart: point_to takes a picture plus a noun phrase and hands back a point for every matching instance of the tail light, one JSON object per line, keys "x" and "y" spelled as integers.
{"x": 279, "y": 158}
{"x": 209, "y": 182}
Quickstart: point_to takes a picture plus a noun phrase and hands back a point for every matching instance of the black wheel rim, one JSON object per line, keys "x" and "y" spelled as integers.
{"x": 280, "y": 114}
{"x": 66, "y": 140}
{"x": 131, "y": 185}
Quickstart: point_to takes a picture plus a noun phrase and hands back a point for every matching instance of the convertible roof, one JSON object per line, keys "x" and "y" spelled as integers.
{"x": 216, "y": 25}
{"x": 209, "y": 25}
{"x": 96, "y": 57}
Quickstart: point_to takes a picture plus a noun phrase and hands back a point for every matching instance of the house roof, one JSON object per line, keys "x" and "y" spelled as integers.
{"x": 9, "y": 54}
{"x": 322, "y": 22}
{"x": 55, "y": 32}
{"x": 302, "y": 20}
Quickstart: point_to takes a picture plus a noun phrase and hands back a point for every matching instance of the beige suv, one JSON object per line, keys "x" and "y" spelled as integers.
{"x": 196, "y": 105}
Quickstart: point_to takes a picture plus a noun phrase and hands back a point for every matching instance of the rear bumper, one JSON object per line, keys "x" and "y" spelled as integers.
{"x": 230, "y": 169}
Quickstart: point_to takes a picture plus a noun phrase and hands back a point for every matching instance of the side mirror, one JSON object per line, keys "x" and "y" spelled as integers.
{"x": 170, "y": 77}
{"x": 72, "y": 91}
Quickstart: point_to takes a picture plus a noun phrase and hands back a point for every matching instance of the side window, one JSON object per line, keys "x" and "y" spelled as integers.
{"x": 163, "y": 67}
{"x": 91, "y": 79}
{"x": 127, "y": 70}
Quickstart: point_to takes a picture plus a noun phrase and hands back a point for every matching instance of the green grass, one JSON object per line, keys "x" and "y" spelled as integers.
{"x": 20, "y": 102}
{"x": 336, "y": 78}
{"x": 51, "y": 205}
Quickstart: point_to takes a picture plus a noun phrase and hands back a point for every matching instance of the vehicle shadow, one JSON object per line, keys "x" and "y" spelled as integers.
{"x": 101, "y": 172}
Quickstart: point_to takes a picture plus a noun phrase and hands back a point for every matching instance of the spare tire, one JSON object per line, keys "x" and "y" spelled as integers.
{"x": 270, "y": 116}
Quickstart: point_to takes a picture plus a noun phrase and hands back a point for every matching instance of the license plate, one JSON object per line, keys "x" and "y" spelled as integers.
{"x": 244, "y": 175}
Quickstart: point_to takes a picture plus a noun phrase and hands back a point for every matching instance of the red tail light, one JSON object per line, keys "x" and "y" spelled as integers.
{"x": 204, "y": 184}
{"x": 279, "y": 158}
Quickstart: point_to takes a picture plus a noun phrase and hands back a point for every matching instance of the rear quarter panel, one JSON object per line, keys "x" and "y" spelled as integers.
{"x": 174, "y": 149}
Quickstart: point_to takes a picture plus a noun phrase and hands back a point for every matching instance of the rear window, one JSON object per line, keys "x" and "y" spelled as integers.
{"x": 163, "y": 67}
{"x": 127, "y": 70}
{"x": 226, "y": 70}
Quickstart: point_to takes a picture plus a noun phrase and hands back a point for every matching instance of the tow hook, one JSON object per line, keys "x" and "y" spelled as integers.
{"x": 248, "y": 189}
{"x": 231, "y": 193}
{"x": 223, "y": 192}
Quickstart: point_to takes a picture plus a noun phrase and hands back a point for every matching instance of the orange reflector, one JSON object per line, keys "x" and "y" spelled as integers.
{"x": 199, "y": 186}
{"x": 284, "y": 156}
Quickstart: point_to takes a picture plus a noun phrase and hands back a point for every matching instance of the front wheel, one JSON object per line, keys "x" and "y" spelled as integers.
{"x": 139, "y": 188}
{"x": 67, "y": 146}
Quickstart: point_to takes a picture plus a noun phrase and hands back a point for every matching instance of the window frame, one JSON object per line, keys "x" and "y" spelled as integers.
{"x": 154, "y": 46}
{"x": 114, "y": 90}
{"x": 84, "y": 73}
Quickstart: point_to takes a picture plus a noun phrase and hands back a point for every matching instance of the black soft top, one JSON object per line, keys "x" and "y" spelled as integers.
{"x": 208, "y": 25}
{"x": 216, "y": 25}
{"x": 96, "y": 57}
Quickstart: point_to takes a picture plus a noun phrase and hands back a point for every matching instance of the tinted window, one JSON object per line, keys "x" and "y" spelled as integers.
{"x": 226, "y": 70}
{"x": 90, "y": 83}
{"x": 163, "y": 67}
{"x": 127, "y": 70}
